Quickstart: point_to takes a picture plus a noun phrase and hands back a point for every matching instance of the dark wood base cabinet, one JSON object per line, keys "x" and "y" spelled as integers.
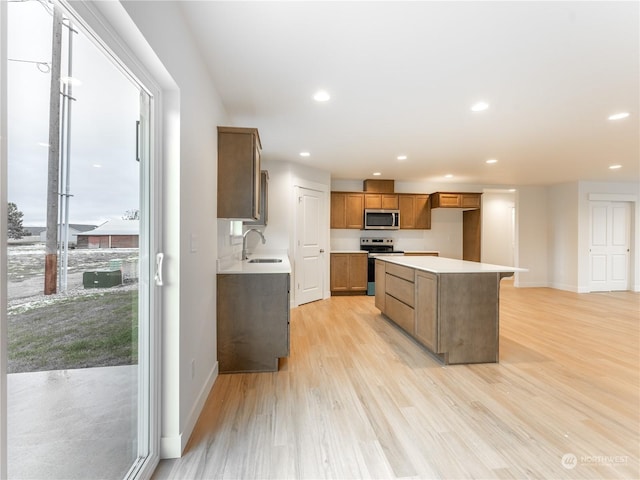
{"x": 253, "y": 321}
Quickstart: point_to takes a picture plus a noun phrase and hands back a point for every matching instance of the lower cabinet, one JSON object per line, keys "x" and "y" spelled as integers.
{"x": 348, "y": 273}
{"x": 399, "y": 291}
{"x": 380, "y": 285}
{"x": 253, "y": 321}
{"x": 427, "y": 310}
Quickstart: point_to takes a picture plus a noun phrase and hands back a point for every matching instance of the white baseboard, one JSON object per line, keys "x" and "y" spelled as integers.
{"x": 563, "y": 286}
{"x": 519, "y": 284}
{"x": 172, "y": 447}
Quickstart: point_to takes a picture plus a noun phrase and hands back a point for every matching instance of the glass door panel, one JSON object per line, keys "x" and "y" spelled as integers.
{"x": 78, "y": 356}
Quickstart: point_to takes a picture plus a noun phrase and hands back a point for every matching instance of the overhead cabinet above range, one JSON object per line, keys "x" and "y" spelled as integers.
{"x": 239, "y": 173}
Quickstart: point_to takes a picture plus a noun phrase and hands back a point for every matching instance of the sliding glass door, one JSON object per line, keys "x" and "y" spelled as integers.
{"x": 82, "y": 224}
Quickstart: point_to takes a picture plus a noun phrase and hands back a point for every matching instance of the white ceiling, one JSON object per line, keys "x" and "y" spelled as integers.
{"x": 403, "y": 76}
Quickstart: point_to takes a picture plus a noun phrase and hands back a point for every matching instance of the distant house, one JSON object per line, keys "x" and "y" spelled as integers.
{"x": 74, "y": 230}
{"x": 111, "y": 234}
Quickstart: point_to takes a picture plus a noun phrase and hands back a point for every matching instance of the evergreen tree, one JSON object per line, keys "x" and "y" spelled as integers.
{"x": 14, "y": 222}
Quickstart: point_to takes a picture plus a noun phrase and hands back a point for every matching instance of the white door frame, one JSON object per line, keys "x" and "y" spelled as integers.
{"x": 634, "y": 240}
{"x": 608, "y": 248}
{"x": 324, "y": 234}
{"x": 3, "y": 239}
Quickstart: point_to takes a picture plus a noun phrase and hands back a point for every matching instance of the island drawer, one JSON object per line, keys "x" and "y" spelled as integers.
{"x": 401, "y": 314}
{"x": 400, "y": 271}
{"x": 401, "y": 289}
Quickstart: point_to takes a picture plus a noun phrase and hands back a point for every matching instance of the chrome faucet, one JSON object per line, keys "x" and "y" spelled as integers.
{"x": 244, "y": 241}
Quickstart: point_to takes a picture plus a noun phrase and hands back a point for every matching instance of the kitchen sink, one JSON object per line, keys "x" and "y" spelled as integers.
{"x": 265, "y": 260}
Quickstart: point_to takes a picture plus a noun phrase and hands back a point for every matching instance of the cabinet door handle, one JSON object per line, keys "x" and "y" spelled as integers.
{"x": 322, "y": 250}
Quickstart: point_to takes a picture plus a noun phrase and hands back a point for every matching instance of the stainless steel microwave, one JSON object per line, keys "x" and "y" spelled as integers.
{"x": 376, "y": 219}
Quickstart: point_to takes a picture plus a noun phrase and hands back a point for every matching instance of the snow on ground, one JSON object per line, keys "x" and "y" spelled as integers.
{"x": 25, "y": 265}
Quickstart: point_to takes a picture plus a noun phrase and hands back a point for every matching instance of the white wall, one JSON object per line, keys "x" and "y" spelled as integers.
{"x": 532, "y": 237}
{"x": 568, "y": 231}
{"x": 563, "y": 236}
{"x": 498, "y": 239}
{"x": 189, "y": 322}
{"x": 280, "y": 230}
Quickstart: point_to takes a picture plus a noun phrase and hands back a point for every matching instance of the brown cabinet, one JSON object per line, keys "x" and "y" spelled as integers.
{"x": 347, "y": 210}
{"x": 264, "y": 202}
{"x": 252, "y": 321}
{"x": 455, "y": 200}
{"x": 399, "y": 295}
{"x": 238, "y": 173}
{"x": 414, "y": 211}
{"x": 381, "y": 200}
{"x": 426, "y": 310}
{"x": 454, "y": 315}
{"x": 348, "y": 273}
{"x": 381, "y": 292}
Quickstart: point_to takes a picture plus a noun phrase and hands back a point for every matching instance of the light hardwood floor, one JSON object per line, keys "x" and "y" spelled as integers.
{"x": 359, "y": 399}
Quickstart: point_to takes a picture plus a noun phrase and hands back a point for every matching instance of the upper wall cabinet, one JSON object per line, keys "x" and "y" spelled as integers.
{"x": 347, "y": 210}
{"x": 455, "y": 200}
{"x": 381, "y": 200}
{"x": 238, "y": 173}
{"x": 264, "y": 202}
{"x": 414, "y": 211}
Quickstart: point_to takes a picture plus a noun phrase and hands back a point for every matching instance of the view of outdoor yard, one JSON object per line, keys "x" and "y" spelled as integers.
{"x": 79, "y": 328}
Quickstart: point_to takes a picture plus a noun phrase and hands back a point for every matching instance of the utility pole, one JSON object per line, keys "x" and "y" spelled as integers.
{"x": 51, "y": 247}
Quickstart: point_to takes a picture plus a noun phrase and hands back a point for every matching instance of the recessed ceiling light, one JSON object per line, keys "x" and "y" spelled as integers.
{"x": 492, "y": 160}
{"x": 43, "y": 144}
{"x": 97, "y": 165}
{"x": 448, "y": 175}
{"x": 305, "y": 154}
{"x": 619, "y": 116}
{"x": 614, "y": 167}
{"x": 321, "y": 96}
{"x": 376, "y": 174}
{"x": 401, "y": 157}
{"x": 479, "y": 107}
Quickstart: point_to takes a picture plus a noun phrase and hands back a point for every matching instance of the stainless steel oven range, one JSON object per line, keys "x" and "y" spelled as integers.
{"x": 376, "y": 246}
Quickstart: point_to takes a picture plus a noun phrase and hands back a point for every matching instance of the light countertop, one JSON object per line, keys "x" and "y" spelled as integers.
{"x": 447, "y": 265}
{"x": 421, "y": 252}
{"x": 349, "y": 251}
{"x": 240, "y": 266}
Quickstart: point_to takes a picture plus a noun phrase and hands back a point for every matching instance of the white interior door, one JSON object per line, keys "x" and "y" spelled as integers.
{"x": 609, "y": 246}
{"x": 309, "y": 267}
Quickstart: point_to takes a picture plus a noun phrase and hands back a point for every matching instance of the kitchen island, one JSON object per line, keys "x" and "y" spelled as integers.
{"x": 449, "y": 306}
